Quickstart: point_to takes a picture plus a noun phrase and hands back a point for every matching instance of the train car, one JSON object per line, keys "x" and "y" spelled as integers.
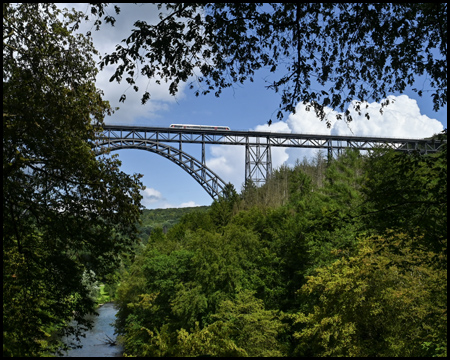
{"x": 198, "y": 127}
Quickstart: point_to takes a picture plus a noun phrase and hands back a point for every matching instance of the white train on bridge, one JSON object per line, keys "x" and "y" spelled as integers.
{"x": 198, "y": 127}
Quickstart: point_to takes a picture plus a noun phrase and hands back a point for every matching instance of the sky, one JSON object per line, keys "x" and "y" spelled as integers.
{"x": 242, "y": 107}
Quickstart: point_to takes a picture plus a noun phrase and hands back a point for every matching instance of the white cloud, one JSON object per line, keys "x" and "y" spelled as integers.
{"x": 401, "y": 119}
{"x": 105, "y": 41}
{"x": 167, "y": 205}
{"x": 188, "y": 204}
{"x": 228, "y": 162}
{"x": 131, "y": 110}
{"x": 150, "y": 196}
{"x": 153, "y": 199}
{"x": 306, "y": 122}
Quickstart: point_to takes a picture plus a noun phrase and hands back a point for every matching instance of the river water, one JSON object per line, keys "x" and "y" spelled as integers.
{"x": 94, "y": 344}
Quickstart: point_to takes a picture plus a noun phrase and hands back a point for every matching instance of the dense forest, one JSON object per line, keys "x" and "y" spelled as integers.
{"x": 162, "y": 218}
{"x": 344, "y": 257}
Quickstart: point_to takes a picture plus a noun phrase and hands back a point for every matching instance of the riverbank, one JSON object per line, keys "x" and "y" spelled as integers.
{"x": 103, "y": 296}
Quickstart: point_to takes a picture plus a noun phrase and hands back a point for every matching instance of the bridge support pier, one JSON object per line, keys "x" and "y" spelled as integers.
{"x": 258, "y": 162}
{"x": 334, "y": 152}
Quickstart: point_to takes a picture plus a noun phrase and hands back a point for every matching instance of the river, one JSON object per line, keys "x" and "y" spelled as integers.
{"x": 94, "y": 344}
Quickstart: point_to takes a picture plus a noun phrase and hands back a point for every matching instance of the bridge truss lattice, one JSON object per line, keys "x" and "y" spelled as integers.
{"x": 168, "y": 142}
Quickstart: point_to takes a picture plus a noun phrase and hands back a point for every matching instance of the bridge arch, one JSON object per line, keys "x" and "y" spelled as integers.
{"x": 208, "y": 179}
{"x": 258, "y": 161}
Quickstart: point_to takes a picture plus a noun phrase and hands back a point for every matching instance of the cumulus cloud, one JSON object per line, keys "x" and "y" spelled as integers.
{"x": 153, "y": 199}
{"x": 131, "y": 111}
{"x": 400, "y": 119}
{"x": 150, "y": 196}
{"x": 228, "y": 163}
{"x": 188, "y": 204}
{"x": 105, "y": 40}
{"x": 167, "y": 205}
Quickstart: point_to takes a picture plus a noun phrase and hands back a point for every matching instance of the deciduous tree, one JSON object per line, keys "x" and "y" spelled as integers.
{"x": 321, "y": 53}
{"x": 66, "y": 212}
{"x": 408, "y": 192}
{"x": 387, "y": 300}
{"x": 242, "y": 327}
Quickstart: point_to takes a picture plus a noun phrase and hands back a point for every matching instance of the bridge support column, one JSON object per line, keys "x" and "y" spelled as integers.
{"x": 203, "y": 150}
{"x": 334, "y": 152}
{"x": 258, "y": 162}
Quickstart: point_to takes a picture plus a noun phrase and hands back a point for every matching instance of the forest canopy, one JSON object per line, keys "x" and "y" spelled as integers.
{"x": 331, "y": 257}
{"x": 328, "y": 258}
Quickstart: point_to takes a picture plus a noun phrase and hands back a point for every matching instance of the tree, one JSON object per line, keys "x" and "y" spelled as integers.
{"x": 242, "y": 327}
{"x": 222, "y": 208}
{"x": 408, "y": 192}
{"x": 331, "y": 214}
{"x": 353, "y": 51}
{"x": 67, "y": 214}
{"x": 388, "y": 300}
{"x": 343, "y": 179}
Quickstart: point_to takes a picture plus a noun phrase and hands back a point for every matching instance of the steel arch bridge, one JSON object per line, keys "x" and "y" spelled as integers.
{"x": 209, "y": 180}
{"x": 258, "y": 158}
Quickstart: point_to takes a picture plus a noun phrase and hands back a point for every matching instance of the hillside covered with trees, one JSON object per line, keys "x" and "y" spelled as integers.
{"x": 340, "y": 258}
{"x": 152, "y": 219}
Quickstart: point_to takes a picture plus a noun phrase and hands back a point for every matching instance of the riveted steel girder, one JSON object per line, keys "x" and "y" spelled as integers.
{"x": 209, "y": 180}
{"x": 258, "y": 160}
{"x": 260, "y": 138}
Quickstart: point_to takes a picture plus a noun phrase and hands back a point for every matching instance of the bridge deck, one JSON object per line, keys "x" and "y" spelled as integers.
{"x": 258, "y": 159}
{"x": 260, "y": 138}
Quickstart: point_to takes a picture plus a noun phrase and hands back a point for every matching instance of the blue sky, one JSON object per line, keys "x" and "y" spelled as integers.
{"x": 242, "y": 107}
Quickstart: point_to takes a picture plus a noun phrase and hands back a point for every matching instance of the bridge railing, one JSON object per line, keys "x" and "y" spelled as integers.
{"x": 259, "y": 138}
{"x": 169, "y": 142}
